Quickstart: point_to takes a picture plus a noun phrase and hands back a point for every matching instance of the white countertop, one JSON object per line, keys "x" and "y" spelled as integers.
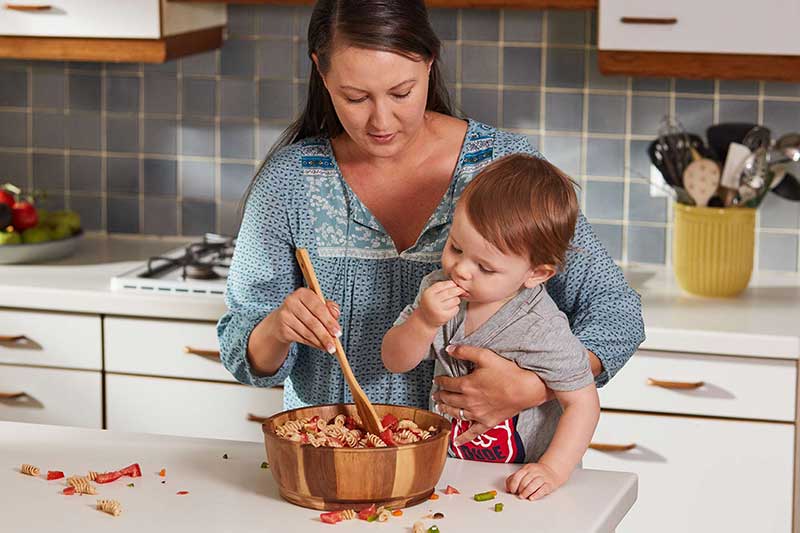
{"x": 764, "y": 321}
{"x": 237, "y": 495}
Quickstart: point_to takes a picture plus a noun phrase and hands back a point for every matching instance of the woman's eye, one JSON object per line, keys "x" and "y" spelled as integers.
{"x": 485, "y": 270}
{"x": 356, "y": 100}
{"x": 401, "y": 96}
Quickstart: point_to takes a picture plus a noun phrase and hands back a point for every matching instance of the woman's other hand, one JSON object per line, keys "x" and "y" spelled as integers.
{"x": 496, "y": 390}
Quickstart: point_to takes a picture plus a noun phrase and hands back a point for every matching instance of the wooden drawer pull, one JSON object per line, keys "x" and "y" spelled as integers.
{"x": 28, "y": 7}
{"x": 211, "y": 354}
{"x": 12, "y": 338}
{"x": 11, "y": 395}
{"x": 666, "y": 21}
{"x": 679, "y": 385}
{"x": 600, "y": 447}
{"x": 255, "y": 418}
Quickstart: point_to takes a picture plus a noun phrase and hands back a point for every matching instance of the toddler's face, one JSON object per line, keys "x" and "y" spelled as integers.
{"x": 484, "y": 272}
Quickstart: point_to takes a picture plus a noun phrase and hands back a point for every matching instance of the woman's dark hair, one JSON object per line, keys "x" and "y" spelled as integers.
{"x": 399, "y": 26}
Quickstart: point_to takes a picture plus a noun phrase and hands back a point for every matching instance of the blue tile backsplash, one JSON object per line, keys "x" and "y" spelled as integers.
{"x": 170, "y": 149}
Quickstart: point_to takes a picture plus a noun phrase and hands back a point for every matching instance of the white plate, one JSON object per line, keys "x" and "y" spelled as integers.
{"x": 38, "y": 252}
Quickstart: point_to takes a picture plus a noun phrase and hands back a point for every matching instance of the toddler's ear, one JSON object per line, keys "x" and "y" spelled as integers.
{"x": 539, "y": 275}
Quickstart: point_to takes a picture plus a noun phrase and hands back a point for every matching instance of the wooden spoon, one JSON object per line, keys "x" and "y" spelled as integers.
{"x": 365, "y": 409}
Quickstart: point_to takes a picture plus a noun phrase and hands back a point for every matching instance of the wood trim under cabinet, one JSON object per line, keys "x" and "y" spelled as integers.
{"x": 489, "y": 4}
{"x": 111, "y": 50}
{"x": 700, "y": 65}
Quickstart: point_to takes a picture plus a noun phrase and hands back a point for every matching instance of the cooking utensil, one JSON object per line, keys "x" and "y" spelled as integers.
{"x": 701, "y": 178}
{"x": 721, "y": 135}
{"x": 365, "y": 409}
{"x": 788, "y": 188}
{"x": 732, "y": 171}
{"x": 346, "y": 478}
{"x": 755, "y": 179}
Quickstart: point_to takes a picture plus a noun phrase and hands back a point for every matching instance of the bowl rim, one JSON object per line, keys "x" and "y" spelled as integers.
{"x": 75, "y": 235}
{"x": 268, "y": 433}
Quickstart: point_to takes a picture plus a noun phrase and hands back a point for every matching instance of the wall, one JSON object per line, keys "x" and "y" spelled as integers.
{"x": 169, "y": 149}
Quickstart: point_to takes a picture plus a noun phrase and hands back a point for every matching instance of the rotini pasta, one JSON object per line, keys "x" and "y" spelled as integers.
{"x": 29, "y": 469}
{"x": 348, "y": 514}
{"x": 348, "y": 432}
{"x": 92, "y": 475}
{"x": 111, "y": 507}
{"x": 82, "y": 485}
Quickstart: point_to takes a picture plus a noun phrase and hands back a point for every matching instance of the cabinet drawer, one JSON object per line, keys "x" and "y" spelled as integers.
{"x": 699, "y": 475}
{"x": 164, "y": 348}
{"x": 188, "y": 408}
{"x": 50, "y": 339}
{"x": 736, "y": 387}
{"x": 62, "y": 397}
{"x": 122, "y": 19}
{"x": 711, "y": 26}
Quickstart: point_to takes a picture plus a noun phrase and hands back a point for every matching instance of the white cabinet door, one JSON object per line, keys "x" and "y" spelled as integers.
{"x": 49, "y": 396}
{"x": 188, "y": 408}
{"x": 168, "y": 348}
{"x": 701, "y": 475}
{"x": 50, "y": 339}
{"x": 712, "y": 26}
{"x": 737, "y": 387}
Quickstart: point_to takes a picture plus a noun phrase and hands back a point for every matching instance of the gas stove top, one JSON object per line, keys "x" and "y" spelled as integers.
{"x": 200, "y": 268}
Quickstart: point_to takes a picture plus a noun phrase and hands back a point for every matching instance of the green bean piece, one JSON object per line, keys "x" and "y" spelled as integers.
{"x": 498, "y": 507}
{"x": 433, "y": 529}
{"x": 485, "y": 496}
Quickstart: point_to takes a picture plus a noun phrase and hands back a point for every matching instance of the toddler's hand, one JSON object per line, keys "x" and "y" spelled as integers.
{"x": 439, "y": 303}
{"x": 533, "y": 481}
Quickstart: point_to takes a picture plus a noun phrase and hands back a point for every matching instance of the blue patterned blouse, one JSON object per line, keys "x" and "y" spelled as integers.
{"x": 300, "y": 199}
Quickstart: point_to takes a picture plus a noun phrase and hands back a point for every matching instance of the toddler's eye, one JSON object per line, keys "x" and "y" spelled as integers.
{"x": 455, "y": 250}
{"x": 485, "y": 270}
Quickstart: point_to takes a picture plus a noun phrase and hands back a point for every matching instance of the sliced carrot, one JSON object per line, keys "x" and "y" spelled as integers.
{"x": 434, "y": 496}
{"x": 163, "y": 472}
{"x": 397, "y": 512}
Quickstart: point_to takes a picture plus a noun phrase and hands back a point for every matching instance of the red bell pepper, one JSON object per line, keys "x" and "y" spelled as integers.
{"x": 331, "y": 518}
{"x": 69, "y": 491}
{"x": 131, "y": 471}
{"x": 54, "y": 474}
{"x": 108, "y": 477}
{"x": 388, "y": 438}
{"x": 350, "y": 423}
{"x": 389, "y": 421}
{"x": 366, "y": 512}
{"x": 451, "y": 490}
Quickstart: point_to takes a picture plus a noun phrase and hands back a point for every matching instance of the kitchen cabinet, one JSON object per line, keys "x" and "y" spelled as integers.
{"x": 710, "y": 39}
{"x": 712, "y": 437}
{"x": 51, "y": 396}
{"x": 497, "y": 4}
{"x": 698, "y": 474}
{"x": 150, "y": 31}
{"x": 189, "y": 408}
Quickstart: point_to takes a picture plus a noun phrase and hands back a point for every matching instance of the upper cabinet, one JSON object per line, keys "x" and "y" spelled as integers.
{"x": 149, "y": 31}
{"x": 700, "y": 39}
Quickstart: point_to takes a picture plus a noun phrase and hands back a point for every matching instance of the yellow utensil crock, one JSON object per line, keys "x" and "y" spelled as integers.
{"x": 713, "y": 249}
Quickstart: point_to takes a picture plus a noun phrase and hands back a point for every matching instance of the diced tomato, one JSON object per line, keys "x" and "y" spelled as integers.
{"x": 451, "y": 490}
{"x": 366, "y": 512}
{"x": 163, "y": 472}
{"x": 331, "y": 518}
{"x": 108, "y": 477}
{"x": 69, "y": 491}
{"x": 54, "y": 474}
{"x": 388, "y": 438}
{"x": 182, "y": 492}
{"x": 389, "y": 421}
{"x": 131, "y": 471}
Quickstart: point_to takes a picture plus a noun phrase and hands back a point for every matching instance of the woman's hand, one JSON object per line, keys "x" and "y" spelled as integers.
{"x": 303, "y": 318}
{"x": 497, "y": 389}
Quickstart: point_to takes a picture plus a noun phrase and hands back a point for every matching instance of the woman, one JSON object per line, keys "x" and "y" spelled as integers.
{"x": 367, "y": 179}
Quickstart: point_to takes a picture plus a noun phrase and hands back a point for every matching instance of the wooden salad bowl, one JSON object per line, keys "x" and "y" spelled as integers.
{"x": 346, "y": 478}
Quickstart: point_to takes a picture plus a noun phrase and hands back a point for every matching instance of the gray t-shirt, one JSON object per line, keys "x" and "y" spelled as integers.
{"x": 531, "y": 331}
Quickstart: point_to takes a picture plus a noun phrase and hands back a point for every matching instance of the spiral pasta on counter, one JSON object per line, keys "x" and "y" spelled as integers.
{"x": 29, "y": 469}
{"x": 112, "y": 507}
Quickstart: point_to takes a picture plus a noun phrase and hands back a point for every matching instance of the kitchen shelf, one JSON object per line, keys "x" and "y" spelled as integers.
{"x": 516, "y": 4}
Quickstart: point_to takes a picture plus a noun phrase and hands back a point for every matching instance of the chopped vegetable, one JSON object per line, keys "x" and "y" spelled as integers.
{"x": 485, "y": 496}
{"x": 182, "y": 492}
{"x": 54, "y": 474}
{"x": 451, "y": 490}
{"x": 163, "y": 472}
{"x": 132, "y": 470}
{"x": 434, "y": 496}
{"x": 108, "y": 477}
{"x": 389, "y": 421}
{"x": 225, "y": 456}
{"x": 438, "y": 516}
{"x": 372, "y": 518}
{"x": 69, "y": 491}
{"x": 265, "y": 465}
{"x": 365, "y": 513}
{"x": 433, "y": 529}
{"x": 397, "y": 512}
{"x": 130, "y": 485}
{"x": 388, "y": 437}
{"x": 498, "y": 507}
{"x": 331, "y": 518}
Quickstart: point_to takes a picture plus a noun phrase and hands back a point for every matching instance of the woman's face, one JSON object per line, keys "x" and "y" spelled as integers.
{"x": 379, "y": 96}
